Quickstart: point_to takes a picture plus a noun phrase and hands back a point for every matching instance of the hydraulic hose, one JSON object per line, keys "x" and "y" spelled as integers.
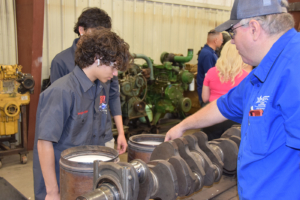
{"x": 149, "y": 63}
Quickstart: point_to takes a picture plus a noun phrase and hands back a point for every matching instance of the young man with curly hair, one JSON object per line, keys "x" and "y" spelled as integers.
{"x": 64, "y": 63}
{"x": 73, "y": 110}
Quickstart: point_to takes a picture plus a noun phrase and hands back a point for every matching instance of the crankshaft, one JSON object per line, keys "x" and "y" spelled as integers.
{"x": 178, "y": 167}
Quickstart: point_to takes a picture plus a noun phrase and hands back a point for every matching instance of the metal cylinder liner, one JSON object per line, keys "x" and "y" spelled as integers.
{"x": 76, "y": 178}
{"x": 139, "y": 149}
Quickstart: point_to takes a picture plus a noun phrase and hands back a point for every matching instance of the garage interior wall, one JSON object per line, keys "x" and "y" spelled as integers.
{"x": 8, "y": 44}
{"x": 150, "y": 27}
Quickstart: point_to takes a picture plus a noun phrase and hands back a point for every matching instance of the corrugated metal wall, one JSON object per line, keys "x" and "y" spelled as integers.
{"x": 149, "y": 26}
{"x": 8, "y": 44}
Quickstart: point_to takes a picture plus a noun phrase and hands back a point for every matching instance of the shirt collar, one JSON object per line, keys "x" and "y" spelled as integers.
{"x": 263, "y": 69}
{"x": 84, "y": 81}
{"x": 208, "y": 47}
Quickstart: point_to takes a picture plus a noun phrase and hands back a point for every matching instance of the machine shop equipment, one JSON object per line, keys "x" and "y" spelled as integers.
{"x": 177, "y": 168}
{"x": 158, "y": 86}
{"x": 132, "y": 86}
{"x": 15, "y": 90}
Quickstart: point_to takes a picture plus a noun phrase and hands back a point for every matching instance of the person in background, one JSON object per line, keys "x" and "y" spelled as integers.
{"x": 73, "y": 110}
{"x": 207, "y": 58}
{"x": 226, "y": 38}
{"x": 64, "y": 63}
{"x": 228, "y": 73}
{"x": 266, "y": 102}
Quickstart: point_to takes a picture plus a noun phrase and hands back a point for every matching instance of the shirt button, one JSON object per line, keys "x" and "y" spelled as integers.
{"x": 94, "y": 136}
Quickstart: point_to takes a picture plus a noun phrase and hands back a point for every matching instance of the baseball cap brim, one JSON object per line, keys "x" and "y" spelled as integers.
{"x": 227, "y": 25}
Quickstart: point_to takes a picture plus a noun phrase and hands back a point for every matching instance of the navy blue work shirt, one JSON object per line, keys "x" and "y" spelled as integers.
{"x": 70, "y": 113}
{"x": 269, "y": 156}
{"x": 206, "y": 60}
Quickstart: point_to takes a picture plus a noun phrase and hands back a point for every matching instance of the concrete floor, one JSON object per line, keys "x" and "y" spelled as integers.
{"x": 21, "y": 175}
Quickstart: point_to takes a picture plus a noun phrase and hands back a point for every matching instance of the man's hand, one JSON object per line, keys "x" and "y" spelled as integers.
{"x": 53, "y": 196}
{"x": 174, "y": 133}
{"x": 122, "y": 144}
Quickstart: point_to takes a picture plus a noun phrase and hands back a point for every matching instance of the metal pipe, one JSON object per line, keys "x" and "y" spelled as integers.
{"x": 182, "y": 59}
{"x": 149, "y": 63}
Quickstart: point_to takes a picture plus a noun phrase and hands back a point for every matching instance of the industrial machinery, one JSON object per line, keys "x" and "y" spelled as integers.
{"x": 15, "y": 90}
{"x": 178, "y": 168}
{"x": 158, "y": 86}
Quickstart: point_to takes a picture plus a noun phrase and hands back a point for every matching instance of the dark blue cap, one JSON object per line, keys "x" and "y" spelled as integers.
{"x": 243, "y": 9}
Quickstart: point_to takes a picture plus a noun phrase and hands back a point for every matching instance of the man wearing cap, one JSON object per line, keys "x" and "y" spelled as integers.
{"x": 266, "y": 102}
{"x": 207, "y": 58}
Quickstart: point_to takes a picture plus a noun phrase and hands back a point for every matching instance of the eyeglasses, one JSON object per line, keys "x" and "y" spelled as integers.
{"x": 231, "y": 31}
{"x": 112, "y": 64}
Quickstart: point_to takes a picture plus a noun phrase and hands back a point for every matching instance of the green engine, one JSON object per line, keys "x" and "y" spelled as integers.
{"x": 160, "y": 87}
{"x": 132, "y": 90}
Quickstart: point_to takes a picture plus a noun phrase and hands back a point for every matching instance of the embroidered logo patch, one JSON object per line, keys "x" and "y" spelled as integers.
{"x": 102, "y": 104}
{"x": 261, "y": 102}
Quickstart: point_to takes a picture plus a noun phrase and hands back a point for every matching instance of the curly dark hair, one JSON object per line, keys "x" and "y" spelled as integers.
{"x": 105, "y": 45}
{"x": 92, "y": 18}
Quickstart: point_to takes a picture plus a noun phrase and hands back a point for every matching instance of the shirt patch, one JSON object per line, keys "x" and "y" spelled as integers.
{"x": 81, "y": 113}
{"x": 261, "y": 102}
{"x": 102, "y": 104}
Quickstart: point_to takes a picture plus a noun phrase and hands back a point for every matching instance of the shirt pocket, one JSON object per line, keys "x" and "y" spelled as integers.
{"x": 76, "y": 129}
{"x": 258, "y": 135}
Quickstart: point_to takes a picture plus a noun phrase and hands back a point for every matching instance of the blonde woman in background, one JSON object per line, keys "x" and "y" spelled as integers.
{"x": 229, "y": 71}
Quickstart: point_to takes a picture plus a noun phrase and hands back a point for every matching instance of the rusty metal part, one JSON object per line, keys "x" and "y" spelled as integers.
{"x": 164, "y": 179}
{"x": 210, "y": 152}
{"x": 137, "y": 150}
{"x": 75, "y": 172}
{"x": 209, "y": 168}
{"x": 146, "y": 72}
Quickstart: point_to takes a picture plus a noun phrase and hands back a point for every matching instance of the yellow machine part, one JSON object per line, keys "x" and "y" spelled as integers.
{"x": 8, "y": 125}
{"x": 10, "y": 99}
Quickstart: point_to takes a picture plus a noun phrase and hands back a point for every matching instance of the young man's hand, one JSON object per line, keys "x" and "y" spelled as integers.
{"x": 122, "y": 144}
